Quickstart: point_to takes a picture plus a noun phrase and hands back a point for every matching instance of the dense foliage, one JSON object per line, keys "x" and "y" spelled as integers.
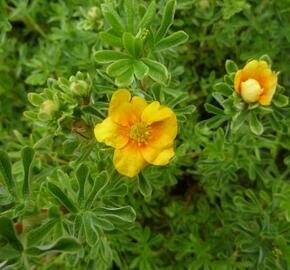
{"x": 223, "y": 201}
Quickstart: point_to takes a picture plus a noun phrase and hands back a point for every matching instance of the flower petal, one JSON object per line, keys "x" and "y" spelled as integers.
{"x": 111, "y": 134}
{"x": 128, "y": 112}
{"x": 269, "y": 90}
{"x": 154, "y": 112}
{"x": 129, "y": 160}
{"x": 120, "y": 97}
{"x": 156, "y": 156}
{"x": 238, "y": 80}
{"x": 163, "y": 133}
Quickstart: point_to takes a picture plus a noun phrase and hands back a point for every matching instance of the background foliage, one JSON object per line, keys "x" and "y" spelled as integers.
{"x": 222, "y": 203}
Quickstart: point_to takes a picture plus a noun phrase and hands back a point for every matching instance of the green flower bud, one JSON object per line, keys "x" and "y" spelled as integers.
{"x": 80, "y": 88}
{"x": 47, "y": 110}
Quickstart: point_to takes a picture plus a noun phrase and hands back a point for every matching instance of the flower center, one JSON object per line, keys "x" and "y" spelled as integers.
{"x": 140, "y": 132}
{"x": 251, "y": 90}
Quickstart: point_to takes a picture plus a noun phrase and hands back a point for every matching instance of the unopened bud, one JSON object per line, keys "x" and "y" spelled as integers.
{"x": 251, "y": 90}
{"x": 47, "y": 109}
{"x": 80, "y": 88}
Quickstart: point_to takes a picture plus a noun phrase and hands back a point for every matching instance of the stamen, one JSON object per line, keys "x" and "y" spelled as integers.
{"x": 140, "y": 132}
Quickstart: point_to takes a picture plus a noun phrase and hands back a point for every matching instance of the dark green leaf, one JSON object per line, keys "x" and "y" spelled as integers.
{"x": 213, "y": 109}
{"x": 37, "y": 234}
{"x": 58, "y": 194}
{"x": 27, "y": 154}
{"x": 64, "y": 244}
{"x": 172, "y": 41}
{"x": 8, "y": 254}
{"x": 167, "y": 19}
{"x": 8, "y": 232}
{"x": 5, "y": 169}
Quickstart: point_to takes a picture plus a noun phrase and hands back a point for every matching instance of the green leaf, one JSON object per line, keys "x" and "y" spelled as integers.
{"x": 266, "y": 58}
{"x": 8, "y": 232}
{"x": 172, "y": 41}
{"x": 148, "y": 16}
{"x": 103, "y": 223}
{"x": 99, "y": 185}
{"x": 125, "y": 213}
{"x": 126, "y": 78}
{"x": 157, "y": 71}
{"x": 238, "y": 120}
{"x": 36, "y": 79}
{"x": 119, "y": 67}
{"x": 111, "y": 38}
{"x": 108, "y": 56}
{"x": 5, "y": 169}
{"x": 82, "y": 174}
{"x": 255, "y": 125}
{"x": 27, "y": 154}
{"x": 64, "y": 244}
{"x": 35, "y": 99}
{"x": 91, "y": 233}
{"x": 223, "y": 88}
{"x": 213, "y": 109}
{"x": 58, "y": 194}
{"x": 167, "y": 19}
{"x": 140, "y": 70}
{"x": 129, "y": 8}
{"x": 113, "y": 18}
{"x": 8, "y": 254}
{"x": 231, "y": 67}
{"x": 280, "y": 100}
{"x": 144, "y": 186}
{"x": 37, "y": 234}
{"x": 132, "y": 45}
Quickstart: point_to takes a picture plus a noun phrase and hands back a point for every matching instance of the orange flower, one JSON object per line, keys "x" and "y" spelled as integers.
{"x": 141, "y": 133}
{"x": 256, "y": 82}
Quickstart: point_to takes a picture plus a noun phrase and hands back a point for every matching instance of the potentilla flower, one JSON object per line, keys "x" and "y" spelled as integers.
{"x": 256, "y": 82}
{"x": 141, "y": 133}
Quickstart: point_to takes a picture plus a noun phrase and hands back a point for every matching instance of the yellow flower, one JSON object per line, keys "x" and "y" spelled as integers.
{"x": 141, "y": 133}
{"x": 256, "y": 82}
